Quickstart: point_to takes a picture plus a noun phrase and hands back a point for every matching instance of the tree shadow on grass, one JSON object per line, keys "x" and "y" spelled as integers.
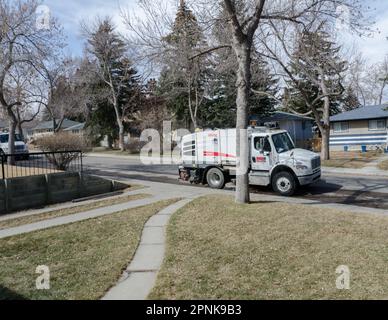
{"x": 7, "y": 294}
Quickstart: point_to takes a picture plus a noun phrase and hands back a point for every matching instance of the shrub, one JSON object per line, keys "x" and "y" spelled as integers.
{"x": 134, "y": 145}
{"x": 64, "y": 143}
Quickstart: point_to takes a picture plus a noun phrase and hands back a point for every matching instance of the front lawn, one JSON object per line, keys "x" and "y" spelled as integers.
{"x": 85, "y": 258}
{"x": 383, "y": 165}
{"x": 55, "y": 213}
{"x": 220, "y": 250}
{"x": 351, "y": 159}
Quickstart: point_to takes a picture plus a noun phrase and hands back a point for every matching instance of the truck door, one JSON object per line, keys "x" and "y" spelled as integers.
{"x": 261, "y": 154}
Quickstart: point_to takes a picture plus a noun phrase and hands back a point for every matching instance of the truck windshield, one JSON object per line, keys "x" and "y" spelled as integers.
{"x": 282, "y": 142}
{"x": 4, "y": 138}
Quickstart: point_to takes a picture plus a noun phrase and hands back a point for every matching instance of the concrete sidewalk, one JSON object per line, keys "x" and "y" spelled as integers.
{"x": 66, "y": 205}
{"x": 355, "y": 172}
{"x": 139, "y": 278}
{"x": 371, "y": 169}
{"x": 76, "y": 217}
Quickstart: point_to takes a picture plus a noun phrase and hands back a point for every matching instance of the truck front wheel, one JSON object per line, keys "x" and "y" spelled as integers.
{"x": 284, "y": 184}
{"x": 215, "y": 178}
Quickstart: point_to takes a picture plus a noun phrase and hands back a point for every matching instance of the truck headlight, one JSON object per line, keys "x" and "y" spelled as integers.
{"x": 301, "y": 166}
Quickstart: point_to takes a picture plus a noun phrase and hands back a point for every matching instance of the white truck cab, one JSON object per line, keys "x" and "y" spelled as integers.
{"x": 20, "y": 146}
{"x": 210, "y": 157}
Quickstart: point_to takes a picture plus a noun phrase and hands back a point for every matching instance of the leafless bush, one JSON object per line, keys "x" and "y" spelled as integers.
{"x": 134, "y": 146}
{"x": 66, "y": 143}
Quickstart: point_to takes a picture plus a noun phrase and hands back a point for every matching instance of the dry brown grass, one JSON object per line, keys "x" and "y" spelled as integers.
{"x": 220, "y": 250}
{"x": 351, "y": 159}
{"x": 68, "y": 211}
{"x": 85, "y": 258}
{"x": 383, "y": 165}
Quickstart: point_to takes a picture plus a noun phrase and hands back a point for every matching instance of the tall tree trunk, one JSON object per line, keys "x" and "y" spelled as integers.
{"x": 381, "y": 96}
{"x": 121, "y": 135}
{"x": 20, "y": 130}
{"x": 11, "y": 139}
{"x": 192, "y": 114}
{"x": 325, "y": 151}
{"x": 119, "y": 120}
{"x": 243, "y": 85}
{"x": 110, "y": 141}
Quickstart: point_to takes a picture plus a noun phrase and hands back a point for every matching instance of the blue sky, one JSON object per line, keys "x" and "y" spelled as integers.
{"x": 71, "y": 12}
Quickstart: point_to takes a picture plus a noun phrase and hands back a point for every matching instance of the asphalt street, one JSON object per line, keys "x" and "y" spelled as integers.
{"x": 366, "y": 191}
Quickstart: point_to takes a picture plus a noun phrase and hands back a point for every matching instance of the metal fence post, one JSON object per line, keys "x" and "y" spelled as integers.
{"x": 82, "y": 167}
{"x": 2, "y": 166}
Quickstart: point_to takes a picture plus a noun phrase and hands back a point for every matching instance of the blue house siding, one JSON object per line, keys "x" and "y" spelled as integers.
{"x": 300, "y": 128}
{"x": 359, "y": 139}
{"x": 360, "y": 127}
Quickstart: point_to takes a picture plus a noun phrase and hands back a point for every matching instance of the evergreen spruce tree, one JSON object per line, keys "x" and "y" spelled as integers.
{"x": 117, "y": 74}
{"x": 314, "y": 49}
{"x": 317, "y": 66}
{"x": 183, "y": 79}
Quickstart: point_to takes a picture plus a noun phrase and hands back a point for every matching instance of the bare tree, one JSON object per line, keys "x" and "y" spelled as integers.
{"x": 377, "y": 81}
{"x": 314, "y": 55}
{"x": 65, "y": 94}
{"x": 115, "y": 69}
{"x": 244, "y": 18}
{"x": 25, "y": 85}
{"x": 22, "y": 42}
{"x": 356, "y": 77}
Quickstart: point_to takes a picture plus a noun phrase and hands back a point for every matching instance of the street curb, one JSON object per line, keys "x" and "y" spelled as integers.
{"x": 140, "y": 276}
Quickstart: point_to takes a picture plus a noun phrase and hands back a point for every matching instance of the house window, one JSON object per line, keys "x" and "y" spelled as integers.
{"x": 375, "y": 125}
{"x": 341, "y": 127}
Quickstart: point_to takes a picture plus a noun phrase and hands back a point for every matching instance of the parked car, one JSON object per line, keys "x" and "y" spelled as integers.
{"x": 20, "y": 147}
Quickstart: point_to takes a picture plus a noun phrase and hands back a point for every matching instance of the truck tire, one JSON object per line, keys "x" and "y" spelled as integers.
{"x": 284, "y": 184}
{"x": 215, "y": 178}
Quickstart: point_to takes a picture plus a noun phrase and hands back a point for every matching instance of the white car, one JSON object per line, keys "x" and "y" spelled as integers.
{"x": 20, "y": 147}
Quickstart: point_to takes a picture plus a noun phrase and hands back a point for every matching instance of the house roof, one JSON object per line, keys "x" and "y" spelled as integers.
{"x": 79, "y": 126}
{"x": 368, "y": 112}
{"x": 46, "y": 125}
{"x": 282, "y": 116}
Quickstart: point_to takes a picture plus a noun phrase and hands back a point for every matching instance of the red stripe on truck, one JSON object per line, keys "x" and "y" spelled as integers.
{"x": 217, "y": 154}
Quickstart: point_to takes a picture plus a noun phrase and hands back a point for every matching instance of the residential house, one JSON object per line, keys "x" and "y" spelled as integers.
{"x": 362, "y": 128}
{"x": 77, "y": 129}
{"x": 299, "y": 127}
{"x": 47, "y": 127}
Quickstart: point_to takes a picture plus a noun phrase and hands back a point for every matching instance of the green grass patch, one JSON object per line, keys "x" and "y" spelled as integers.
{"x": 220, "y": 250}
{"x": 85, "y": 258}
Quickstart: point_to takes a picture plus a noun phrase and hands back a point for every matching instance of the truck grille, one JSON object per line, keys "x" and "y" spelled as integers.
{"x": 316, "y": 163}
